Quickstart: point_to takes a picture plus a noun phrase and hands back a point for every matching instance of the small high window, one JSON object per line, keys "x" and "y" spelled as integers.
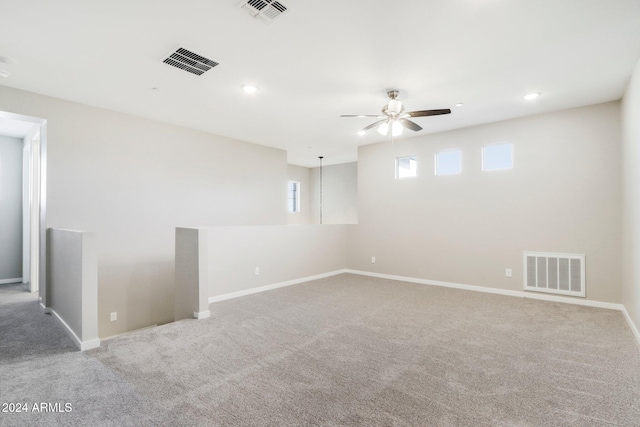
{"x": 497, "y": 156}
{"x": 449, "y": 162}
{"x": 294, "y": 196}
{"x": 406, "y": 167}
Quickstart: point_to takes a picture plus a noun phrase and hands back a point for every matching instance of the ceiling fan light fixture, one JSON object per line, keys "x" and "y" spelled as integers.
{"x": 395, "y": 118}
{"x": 396, "y": 129}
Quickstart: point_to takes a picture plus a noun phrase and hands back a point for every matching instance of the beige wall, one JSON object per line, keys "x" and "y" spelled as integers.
{"x": 631, "y": 198}
{"x": 132, "y": 181}
{"x": 303, "y": 176}
{"x": 339, "y": 194}
{"x": 282, "y": 253}
{"x": 563, "y": 195}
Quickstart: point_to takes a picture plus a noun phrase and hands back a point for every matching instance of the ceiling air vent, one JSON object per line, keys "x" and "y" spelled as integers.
{"x": 263, "y": 10}
{"x": 189, "y": 61}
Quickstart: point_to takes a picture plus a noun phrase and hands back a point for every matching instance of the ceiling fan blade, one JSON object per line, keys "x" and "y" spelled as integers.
{"x": 410, "y": 125}
{"x": 424, "y": 113}
{"x": 374, "y": 124}
{"x": 362, "y": 115}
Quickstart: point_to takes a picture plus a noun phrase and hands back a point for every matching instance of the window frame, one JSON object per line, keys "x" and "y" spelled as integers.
{"x": 296, "y": 207}
{"x": 410, "y": 157}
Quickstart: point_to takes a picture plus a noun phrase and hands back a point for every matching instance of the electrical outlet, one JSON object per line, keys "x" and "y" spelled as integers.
{"x": 373, "y": 260}
{"x": 508, "y": 272}
{"x": 114, "y": 316}
{"x": 257, "y": 271}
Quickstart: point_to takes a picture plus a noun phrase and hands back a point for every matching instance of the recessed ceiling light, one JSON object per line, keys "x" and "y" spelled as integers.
{"x": 249, "y": 89}
{"x": 459, "y": 104}
{"x": 531, "y": 96}
{"x": 361, "y": 132}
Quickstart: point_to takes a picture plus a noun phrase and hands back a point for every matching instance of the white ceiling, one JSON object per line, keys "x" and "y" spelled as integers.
{"x": 322, "y": 59}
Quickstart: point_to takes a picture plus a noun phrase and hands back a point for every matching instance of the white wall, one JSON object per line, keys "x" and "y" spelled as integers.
{"x": 10, "y": 208}
{"x": 303, "y": 176}
{"x": 563, "y": 195}
{"x": 132, "y": 181}
{"x": 631, "y": 198}
{"x": 339, "y": 194}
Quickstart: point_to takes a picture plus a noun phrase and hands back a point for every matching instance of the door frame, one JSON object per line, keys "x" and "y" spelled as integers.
{"x": 38, "y": 204}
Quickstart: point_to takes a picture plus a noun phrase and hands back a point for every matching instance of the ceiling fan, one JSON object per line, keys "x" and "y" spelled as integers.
{"x": 395, "y": 118}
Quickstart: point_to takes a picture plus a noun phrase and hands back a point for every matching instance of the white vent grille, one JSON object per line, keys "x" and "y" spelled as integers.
{"x": 189, "y": 61}
{"x": 554, "y": 273}
{"x": 263, "y": 10}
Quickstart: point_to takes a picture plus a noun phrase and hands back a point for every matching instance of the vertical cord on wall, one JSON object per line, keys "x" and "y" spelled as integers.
{"x": 320, "y": 157}
{"x": 393, "y": 144}
{"x": 393, "y": 152}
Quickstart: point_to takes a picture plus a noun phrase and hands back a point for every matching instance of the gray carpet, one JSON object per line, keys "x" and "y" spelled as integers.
{"x": 40, "y": 364}
{"x": 350, "y": 351}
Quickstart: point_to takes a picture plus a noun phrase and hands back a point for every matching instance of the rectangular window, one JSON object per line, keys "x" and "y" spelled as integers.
{"x": 406, "y": 167}
{"x": 294, "y": 196}
{"x": 497, "y": 156}
{"x": 449, "y": 162}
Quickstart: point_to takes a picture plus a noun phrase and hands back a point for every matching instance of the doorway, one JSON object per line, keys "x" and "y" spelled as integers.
{"x": 32, "y": 132}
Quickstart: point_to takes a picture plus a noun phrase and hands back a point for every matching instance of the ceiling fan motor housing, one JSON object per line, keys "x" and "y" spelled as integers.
{"x": 395, "y": 107}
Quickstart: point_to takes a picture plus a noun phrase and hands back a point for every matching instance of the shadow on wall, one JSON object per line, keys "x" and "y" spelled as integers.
{"x": 141, "y": 294}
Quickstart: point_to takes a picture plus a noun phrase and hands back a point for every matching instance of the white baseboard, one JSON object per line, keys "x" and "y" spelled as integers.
{"x": 7, "y": 281}
{"x": 632, "y": 325}
{"x": 110, "y": 337}
{"x": 90, "y": 345}
{"x": 82, "y": 345}
{"x": 201, "y": 314}
{"x": 47, "y": 310}
{"x": 521, "y": 294}
{"x": 274, "y": 286}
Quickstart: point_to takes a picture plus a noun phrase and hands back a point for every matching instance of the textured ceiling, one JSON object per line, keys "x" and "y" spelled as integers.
{"x": 322, "y": 59}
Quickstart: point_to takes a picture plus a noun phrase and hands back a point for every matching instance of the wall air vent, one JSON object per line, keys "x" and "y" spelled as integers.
{"x": 554, "y": 273}
{"x": 263, "y": 10}
{"x": 190, "y": 62}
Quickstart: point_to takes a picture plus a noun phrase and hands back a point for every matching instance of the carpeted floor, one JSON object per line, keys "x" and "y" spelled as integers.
{"x": 342, "y": 351}
{"x": 40, "y": 364}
